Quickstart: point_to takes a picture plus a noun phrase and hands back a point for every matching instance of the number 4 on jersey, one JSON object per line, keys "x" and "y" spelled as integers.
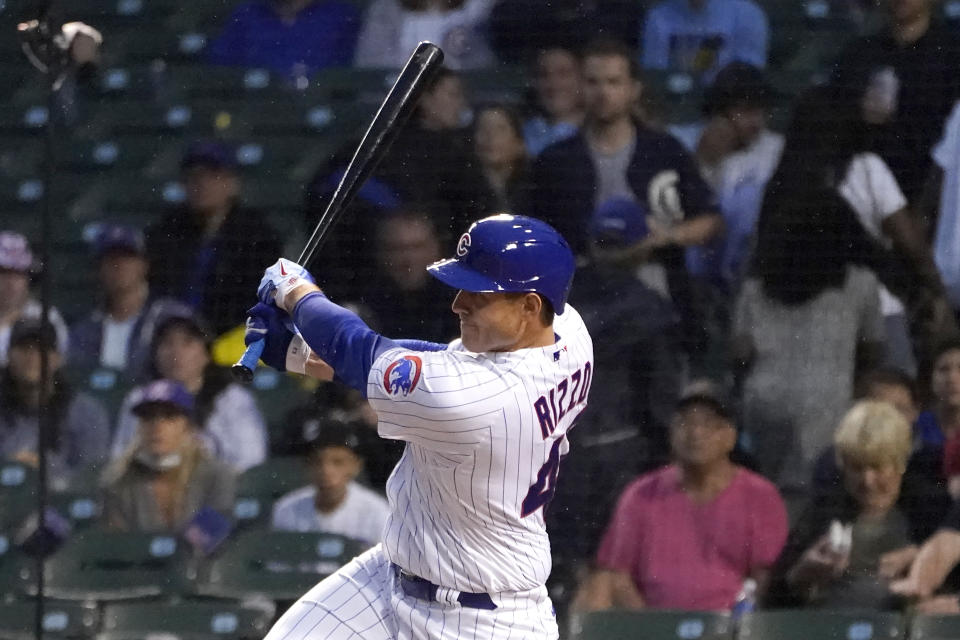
{"x": 541, "y": 492}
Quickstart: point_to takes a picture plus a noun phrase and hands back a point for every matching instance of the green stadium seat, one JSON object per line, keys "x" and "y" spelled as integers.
{"x": 105, "y": 154}
{"x": 108, "y": 386}
{"x": 17, "y": 571}
{"x": 822, "y": 625}
{"x": 61, "y": 620}
{"x": 82, "y": 508}
{"x": 675, "y": 96}
{"x": 18, "y": 493}
{"x": 260, "y": 486}
{"x": 146, "y": 45}
{"x": 186, "y": 619}
{"x": 198, "y": 82}
{"x": 99, "y": 565}
{"x": 653, "y": 625}
{"x": 278, "y": 565}
{"x": 929, "y": 627}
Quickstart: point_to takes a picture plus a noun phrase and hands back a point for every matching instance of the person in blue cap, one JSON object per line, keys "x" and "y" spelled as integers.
{"x": 206, "y": 252}
{"x": 118, "y": 333}
{"x": 166, "y": 477}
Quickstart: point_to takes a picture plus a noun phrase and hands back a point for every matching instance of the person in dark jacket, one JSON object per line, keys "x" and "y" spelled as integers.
{"x": 207, "y": 253}
{"x": 119, "y": 332}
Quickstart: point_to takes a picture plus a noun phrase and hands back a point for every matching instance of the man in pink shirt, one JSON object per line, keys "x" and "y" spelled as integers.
{"x": 686, "y": 536}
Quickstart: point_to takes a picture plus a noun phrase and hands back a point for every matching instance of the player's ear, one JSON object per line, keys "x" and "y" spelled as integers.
{"x": 532, "y": 305}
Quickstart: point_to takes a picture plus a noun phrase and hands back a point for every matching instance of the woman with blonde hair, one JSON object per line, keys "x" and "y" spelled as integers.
{"x": 166, "y": 476}
{"x": 855, "y": 539}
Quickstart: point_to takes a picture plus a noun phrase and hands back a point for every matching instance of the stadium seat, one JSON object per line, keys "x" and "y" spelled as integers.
{"x": 653, "y": 625}
{"x": 109, "y": 386}
{"x": 18, "y": 490}
{"x": 822, "y": 625}
{"x": 82, "y": 508}
{"x": 278, "y": 565}
{"x": 259, "y": 486}
{"x": 61, "y": 620}
{"x": 16, "y": 570}
{"x": 185, "y": 619}
{"x": 928, "y": 627}
{"x": 99, "y": 565}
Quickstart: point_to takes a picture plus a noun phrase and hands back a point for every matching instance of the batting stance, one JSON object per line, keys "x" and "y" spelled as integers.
{"x": 465, "y": 552}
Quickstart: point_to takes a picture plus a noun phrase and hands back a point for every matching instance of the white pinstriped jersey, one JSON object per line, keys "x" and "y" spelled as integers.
{"x": 485, "y": 434}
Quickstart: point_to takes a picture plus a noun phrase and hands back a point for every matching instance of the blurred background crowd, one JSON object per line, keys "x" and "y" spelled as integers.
{"x": 763, "y": 196}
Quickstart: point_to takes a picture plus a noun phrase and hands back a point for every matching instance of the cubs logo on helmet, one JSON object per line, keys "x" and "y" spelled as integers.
{"x": 402, "y": 376}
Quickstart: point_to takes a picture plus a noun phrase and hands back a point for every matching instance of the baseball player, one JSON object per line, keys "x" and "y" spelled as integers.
{"x": 464, "y": 553}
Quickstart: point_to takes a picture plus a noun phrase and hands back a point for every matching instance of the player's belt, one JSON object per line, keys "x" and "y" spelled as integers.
{"x": 421, "y": 588}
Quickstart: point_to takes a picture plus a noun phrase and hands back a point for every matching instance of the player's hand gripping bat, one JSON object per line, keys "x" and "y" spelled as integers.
{"x": 395, "y": 110}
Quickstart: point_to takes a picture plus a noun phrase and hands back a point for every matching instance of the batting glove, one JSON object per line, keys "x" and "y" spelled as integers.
{"x": 279, "y": 280}
{"x": 284, "y": 348}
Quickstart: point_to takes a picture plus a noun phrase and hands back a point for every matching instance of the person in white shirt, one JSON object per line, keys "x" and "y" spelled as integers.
{"x": 334, "y": 502}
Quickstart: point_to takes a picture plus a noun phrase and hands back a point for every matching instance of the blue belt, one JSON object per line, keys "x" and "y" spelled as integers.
{"x": 417, "y": 587}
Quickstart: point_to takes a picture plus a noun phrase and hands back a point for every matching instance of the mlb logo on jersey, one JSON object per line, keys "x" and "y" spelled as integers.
{"x": 402, "y": 376}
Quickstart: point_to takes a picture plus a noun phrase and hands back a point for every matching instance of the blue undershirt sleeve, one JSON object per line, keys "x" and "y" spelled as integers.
{"x": 420, "y": 345}
{"x": 340, "y": 338}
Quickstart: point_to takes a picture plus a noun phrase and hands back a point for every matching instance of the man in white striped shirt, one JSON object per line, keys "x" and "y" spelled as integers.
{"x": 465, "y": 551}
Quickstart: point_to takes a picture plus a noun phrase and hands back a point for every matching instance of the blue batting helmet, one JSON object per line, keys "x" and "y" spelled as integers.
{"x": 511, "y": 254}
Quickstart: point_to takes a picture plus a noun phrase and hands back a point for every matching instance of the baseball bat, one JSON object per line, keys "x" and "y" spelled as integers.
{"x": 396, "y": 108}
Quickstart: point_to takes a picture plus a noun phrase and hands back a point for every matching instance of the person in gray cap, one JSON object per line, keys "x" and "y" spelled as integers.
{"x": 165, "y": 477}
{"x": 80, "y": 426}
{"x": 334, "y": 502}
{"x": 16, "y": 265}
{"x": 118, "y": 333}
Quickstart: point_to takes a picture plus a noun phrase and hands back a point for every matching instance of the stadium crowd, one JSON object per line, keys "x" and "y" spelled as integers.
{"x": 772, "y": 287}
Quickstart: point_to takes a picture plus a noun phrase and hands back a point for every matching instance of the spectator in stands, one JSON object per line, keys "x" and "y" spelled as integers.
{"x": 941, "y": 421}
{"x": 432, "y": 163}
{"x": 231, "y": 425}
{"x": 940, "y": 208}
{"x": 205, "y": 253}
{"x": 930, "y": 574}
{"x": 165, "y": 477}
{"x": 16, "y": 262}
{"x": 614, "y": 156}
{"x": 877, "y": 503}
{"x": 498, "y": 139}
{"x": 520, "y": 28}
{"x": 737, "y": 155}
{"x": 686, "y": 536}
{"x": 558, "y": 85}
{"x": 80, "y": 425}
{"x": 334, "y": 502}
{"x": 336, "y": 402}
{"x": 402, "y": 298}
{"x": 637, "y": 377}
{"x": 392, "y": 28}
{"x": 703, "y": 36}
{"x": 899, "y": 390}
{"x": 118, "y": 333}
{"x": 296, "y": 37}
{"x": 905, "y": 78}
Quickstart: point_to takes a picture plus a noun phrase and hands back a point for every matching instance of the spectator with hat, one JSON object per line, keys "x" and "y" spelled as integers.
{"x": 165, "y": 477}
{"x": 230, "y": 424}
{"x": 638, "y": 375}
{"x": 80, "y": 426}
{"x": 16, "y": 265}
{"x": 334, "y": 502}
{"x": 118, "y": 333}
{"x": 688, "y": 535}
{"x": 205, "y": 253}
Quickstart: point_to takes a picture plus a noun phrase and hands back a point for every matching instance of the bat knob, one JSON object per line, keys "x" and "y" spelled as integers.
{"x": 242, "y": 373}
